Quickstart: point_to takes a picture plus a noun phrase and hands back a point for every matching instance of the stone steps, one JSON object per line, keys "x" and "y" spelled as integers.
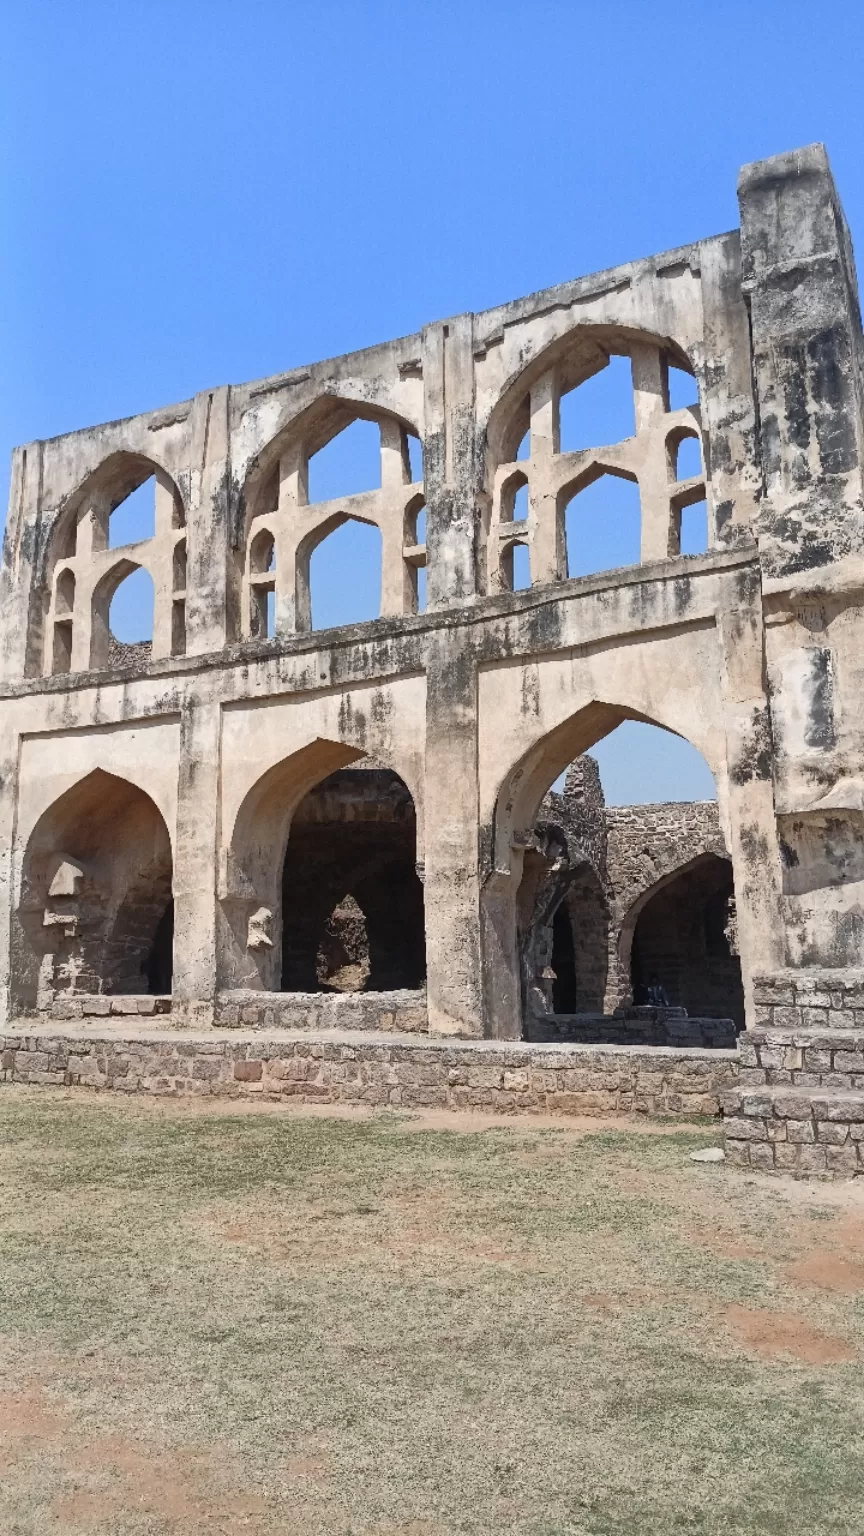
{"x": 796, "y": 1057}
{"x": 795, "y": 1129}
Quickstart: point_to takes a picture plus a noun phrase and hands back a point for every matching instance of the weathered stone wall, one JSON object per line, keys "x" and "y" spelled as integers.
{"x": 751, "y": 650}
{"x": 510, "y": 1079}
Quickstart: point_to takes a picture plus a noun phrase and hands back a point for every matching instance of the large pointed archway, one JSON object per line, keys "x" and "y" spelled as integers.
{"x": 95, "y": 910}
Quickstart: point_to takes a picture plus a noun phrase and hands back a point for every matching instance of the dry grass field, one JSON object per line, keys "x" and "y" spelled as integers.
{"x": 282, "y": 1322}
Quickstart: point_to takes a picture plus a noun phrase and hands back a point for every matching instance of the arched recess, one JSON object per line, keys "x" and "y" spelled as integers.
{"x": 276, "y": 494}
{"x": 79, "y": 542}
{"x": 95, "y": 908}
{"x": 508, "y": 854}
{"x": 682, "y": 933}
{"x": 257, "y": 874}
{"x": 350, "y": 874}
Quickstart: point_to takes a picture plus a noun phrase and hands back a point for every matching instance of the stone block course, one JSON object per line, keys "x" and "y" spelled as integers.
{"x": 511, "y": 1079}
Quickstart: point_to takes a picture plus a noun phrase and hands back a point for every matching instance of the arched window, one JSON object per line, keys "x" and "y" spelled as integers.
{"x": 64, "y": 599}
{"x": 345, "y": 576}
{"x": 516, "y": 567}
{"x": 693, "y": 533}
{"x": 415, "y": 458}
{"x": 348, "y": 464}
{"x": 262, "y": 585}
{"x": 130, "y": 614}
{"x": 415, "y": 551}
{"x": 688, "y": 459}
{"x": 134, "y": 518}
{"x": 683, "y": 389}
{"x": 600, "y": 411}
{"x": 603, "y": 526}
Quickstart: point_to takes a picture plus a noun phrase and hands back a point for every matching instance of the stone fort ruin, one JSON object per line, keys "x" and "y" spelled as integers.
{"x": 246, "y": 837}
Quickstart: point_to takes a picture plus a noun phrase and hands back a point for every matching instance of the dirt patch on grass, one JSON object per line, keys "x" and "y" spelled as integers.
{"x": 828, "y": 1271}
{"x": 778, "y": 1334}
{"x": 111, "y": 1476}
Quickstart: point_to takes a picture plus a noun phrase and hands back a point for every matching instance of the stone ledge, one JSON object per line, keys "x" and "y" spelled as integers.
{"x": 330, "y": 1067}
{"x": 400, "y": 1011}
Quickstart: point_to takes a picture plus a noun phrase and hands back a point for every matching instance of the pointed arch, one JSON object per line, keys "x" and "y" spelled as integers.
{"x": 96, "y": 880}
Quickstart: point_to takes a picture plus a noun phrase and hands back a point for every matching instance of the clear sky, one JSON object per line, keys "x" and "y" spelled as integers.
{"x": 200, "y": 191}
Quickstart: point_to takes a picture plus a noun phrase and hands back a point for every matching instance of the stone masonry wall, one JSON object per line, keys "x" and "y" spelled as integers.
{"x": 512, "y": 1078}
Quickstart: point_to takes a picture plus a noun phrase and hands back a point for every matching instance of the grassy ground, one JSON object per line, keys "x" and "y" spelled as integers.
{"x": 277, "y": 1322}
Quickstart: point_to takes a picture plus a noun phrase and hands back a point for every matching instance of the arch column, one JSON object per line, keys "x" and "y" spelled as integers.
{"x": 195, "y": 863}
{"x": 452, "y": 883}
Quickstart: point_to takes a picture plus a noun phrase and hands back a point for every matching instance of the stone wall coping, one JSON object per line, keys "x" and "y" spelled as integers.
{"x": 825, "y": 976}
{"x": 510, "y": 1049}
{"x": 771, "y": 1034}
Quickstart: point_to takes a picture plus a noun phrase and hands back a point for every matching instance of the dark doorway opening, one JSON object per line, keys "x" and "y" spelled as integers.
{"x": 352, "y": 901}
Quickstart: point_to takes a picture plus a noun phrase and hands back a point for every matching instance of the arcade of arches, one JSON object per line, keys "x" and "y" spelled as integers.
{"x": 193, "y": 811}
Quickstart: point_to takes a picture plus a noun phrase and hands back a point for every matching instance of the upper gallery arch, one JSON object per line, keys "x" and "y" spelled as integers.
{"x": 83, "y": 563}
{"x": 275, "y": 502}
{"x": 528, "y": 411}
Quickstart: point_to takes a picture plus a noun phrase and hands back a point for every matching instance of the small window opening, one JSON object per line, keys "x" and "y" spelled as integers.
{"x": 421, "y": 589}
{"x": 178, "y": 514}
{"x": 600, "y": 411}
{"x": 688, "y": 459}
{"x": 603, "y": 527}
{"x": 345, "y": 576}
{"x": 180, "y": 566}
{"x": 178, "y": 628}
{"x": 130, "y": 616}
{"x": 348, "y": 465}
{"x": 415, "y": 458}
{"x": 693, "y": 538}
{"x": 135, "y": 518}
{"x": 520, "y": 504}
{"x": 524, "y": 449}
{"x": 516, "y": 568}
{"x": 64, "y": 597}
{"x": 262, "y": 554}
{"x": 420, "y": 527}
{"x": 262, "y": 614}
{"x": 683, "y": 389}
{"x": 62, "y": 652}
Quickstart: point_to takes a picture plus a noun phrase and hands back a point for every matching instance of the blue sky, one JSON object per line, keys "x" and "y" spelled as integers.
{"x": 198, "y": 191}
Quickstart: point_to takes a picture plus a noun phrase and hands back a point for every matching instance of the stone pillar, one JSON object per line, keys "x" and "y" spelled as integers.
{"x": 208, "y": 537}
{"x": 449, "y": 462}
{"x": 650, "y": 401}
{"x": 195, "y": 863}
{"x": 799, "y": 282}
{"x": 451, "y": 876}
{"x": 548, "y": 553}
{"x": 729, "y": 443}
